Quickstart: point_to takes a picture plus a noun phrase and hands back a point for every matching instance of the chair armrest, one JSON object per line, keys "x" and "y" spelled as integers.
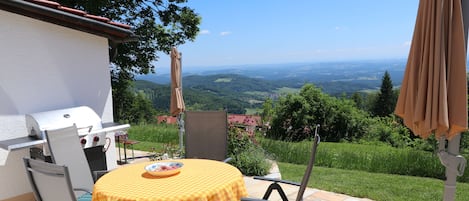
{"x": 227, "y": 160}
{"x": 277, "y": 180}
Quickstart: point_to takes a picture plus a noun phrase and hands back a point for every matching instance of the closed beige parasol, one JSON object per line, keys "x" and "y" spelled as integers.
{"x": 177, "y": 102}
{"x": 433, "y": 96}
{"x": 177, "y": 106}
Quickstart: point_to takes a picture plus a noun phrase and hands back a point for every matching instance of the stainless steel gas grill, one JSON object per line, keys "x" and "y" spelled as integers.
{"x": 90, "y": 129}
{"x": 92, "y": 133}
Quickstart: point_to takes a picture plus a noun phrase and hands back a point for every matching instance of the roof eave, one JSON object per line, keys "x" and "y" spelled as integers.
{"x": 113, "y": 33}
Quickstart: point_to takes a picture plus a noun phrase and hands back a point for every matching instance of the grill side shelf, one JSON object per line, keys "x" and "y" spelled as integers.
{"x": 28, "y": 141}
{"x": 20, "y": 143}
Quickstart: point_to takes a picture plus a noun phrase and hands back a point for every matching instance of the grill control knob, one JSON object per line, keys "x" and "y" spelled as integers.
{"x": 95, "y": 139}
{"x": 83, "y": 141}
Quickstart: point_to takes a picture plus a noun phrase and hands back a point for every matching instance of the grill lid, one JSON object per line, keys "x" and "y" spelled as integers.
{"x": 84, "y": 117}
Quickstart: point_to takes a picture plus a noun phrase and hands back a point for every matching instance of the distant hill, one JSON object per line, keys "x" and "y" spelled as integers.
{"x": 350, "y": 71}
{"x": 198, "y": 98}
{"x": 238, "y": 88}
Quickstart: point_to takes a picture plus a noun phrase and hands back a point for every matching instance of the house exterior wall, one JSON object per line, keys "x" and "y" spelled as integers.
{"x": 45, "y": 67}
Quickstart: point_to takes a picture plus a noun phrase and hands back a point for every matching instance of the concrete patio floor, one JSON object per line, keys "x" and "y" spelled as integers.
{"x": 257, "y": 188}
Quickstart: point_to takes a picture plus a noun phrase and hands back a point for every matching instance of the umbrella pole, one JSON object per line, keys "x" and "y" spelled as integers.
{"x": 180, "y": 121}
{"x": 459, "y": 163}
{"x": 180, "y": 118}
{"x": 454, "y": 163}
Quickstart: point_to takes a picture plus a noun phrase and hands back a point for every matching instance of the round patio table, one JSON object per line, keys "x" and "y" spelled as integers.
{"x": 199, "y": 179}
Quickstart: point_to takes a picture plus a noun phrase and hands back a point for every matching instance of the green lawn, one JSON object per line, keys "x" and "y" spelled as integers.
{"x": 375, "y": 186}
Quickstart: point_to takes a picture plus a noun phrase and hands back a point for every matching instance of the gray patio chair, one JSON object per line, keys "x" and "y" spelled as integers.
{"x": 304, "y": 182}
{"x": 206, "y": 135}
{"x": 65, "y": 147}
{"x": 51, "y": 182}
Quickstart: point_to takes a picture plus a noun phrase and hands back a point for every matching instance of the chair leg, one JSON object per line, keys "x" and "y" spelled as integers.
{"x": 275, "y": 186}
{"x": 125, "y": 152}
{"x": 119, "y": 145}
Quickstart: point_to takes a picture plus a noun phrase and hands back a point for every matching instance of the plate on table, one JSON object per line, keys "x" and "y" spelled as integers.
{"x": 163, "y": 169}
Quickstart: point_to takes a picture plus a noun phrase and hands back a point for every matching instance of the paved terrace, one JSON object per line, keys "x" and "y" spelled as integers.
{"x": 256, "y": 188}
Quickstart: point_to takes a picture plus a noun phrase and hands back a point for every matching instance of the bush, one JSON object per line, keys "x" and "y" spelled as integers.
{"x": 247, "y": 156}
{"x": 388, "y": 130}
{"x": 251, "y": 161}
{"x": 295, "y": 114}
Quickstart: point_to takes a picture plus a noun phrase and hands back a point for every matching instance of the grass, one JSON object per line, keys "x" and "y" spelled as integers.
{"x": 287, "y": 90}
{"x": 370, "y": 158}
{"x": 153, "y": 136}
{"x": 375, "y": 186}
{"x": 253, "y": 111}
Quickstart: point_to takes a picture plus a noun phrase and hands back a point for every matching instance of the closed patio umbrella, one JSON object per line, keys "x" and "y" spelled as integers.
{"x": 177, "y": 102}
{"x": 177, "y": 105}
{"x": 433, "y": 96}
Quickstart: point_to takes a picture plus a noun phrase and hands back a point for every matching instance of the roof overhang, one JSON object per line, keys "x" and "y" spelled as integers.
{"x": 116, "y": 34}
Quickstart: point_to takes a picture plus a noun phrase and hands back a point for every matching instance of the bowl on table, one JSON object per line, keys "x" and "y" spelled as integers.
{"x": 163, "y": 169}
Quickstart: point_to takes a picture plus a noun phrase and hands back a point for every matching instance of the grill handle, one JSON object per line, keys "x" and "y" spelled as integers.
{"x": 86, "y": 127}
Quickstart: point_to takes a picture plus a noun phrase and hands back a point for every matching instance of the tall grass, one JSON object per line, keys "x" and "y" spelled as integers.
{"x": 370, "y": 158}
{"x": 154, "y": 137}
{"x": 161, "y": 133}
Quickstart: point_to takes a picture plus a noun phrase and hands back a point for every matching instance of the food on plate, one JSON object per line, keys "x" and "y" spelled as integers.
{"x": 164, "y": 168}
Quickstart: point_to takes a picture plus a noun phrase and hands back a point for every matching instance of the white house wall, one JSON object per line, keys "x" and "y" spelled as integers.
{"x": 45, "y": 67}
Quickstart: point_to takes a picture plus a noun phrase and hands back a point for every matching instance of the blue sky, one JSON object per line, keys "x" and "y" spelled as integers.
{"x": 274, "y": 31}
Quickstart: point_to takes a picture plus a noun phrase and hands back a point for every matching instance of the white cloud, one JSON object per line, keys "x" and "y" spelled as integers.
{"x": 204, "y": 32}
{"x": 340, "y": 28}
{"x": 407, "y": 43}
{"x": 225, "y": 33}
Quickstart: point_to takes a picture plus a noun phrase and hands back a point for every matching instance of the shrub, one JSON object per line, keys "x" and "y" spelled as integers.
{"x": 247, "y": 156}
{"x": 294, "y": 115}
{"x": 251, "y": 161}
{"x": 388, "y": 130}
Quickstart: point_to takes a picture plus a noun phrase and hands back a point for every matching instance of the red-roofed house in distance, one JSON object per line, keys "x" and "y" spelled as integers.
{"x": 52, "y": 57}
{"x": 166, "y": 119}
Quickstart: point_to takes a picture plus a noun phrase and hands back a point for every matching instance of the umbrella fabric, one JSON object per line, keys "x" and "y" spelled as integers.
{"x": 177, "y": 102}
{"x": 433, "y": 93}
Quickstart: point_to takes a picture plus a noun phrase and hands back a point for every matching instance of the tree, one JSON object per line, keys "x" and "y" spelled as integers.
{"x": 291, "y": 119}
{"x": 267, "y": 110}
{"x": 357, "y": 97}
{"x": 386, "y": 100}
{"x": 159, "y": 25}
{"x": 295, "y": 116}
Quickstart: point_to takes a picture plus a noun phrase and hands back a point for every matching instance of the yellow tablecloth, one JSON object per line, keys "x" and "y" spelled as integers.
{"x": 199, "y": 180}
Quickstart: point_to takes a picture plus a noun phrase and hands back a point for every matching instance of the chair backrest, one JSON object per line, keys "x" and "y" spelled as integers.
{"x": 309, "y": 168}
{"x": 65, "y": 147}
{"x": 49, "y": 181}
{"x": 206, "y": 134}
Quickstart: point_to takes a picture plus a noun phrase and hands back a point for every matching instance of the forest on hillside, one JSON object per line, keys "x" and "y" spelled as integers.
{"x": 236, "y": 93}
